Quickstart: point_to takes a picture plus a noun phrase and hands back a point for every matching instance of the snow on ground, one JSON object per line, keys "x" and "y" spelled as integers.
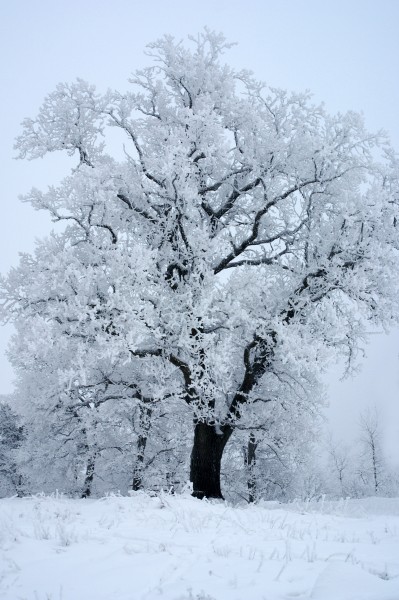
{"x": 179, "y": 548}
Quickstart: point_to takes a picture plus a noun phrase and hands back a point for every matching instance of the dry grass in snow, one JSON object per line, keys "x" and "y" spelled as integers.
{"x": 179, "y": 548}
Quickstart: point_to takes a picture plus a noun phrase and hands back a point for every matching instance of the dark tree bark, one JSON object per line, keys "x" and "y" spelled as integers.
{"x": 144, "y": 425}
{"x": 250, "y": 462}
{"x": 137, "y": 483}
{"x": 206, "y": 458}
{"x": 90, "y": 468}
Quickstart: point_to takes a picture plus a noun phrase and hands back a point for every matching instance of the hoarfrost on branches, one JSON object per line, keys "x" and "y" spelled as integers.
{"x": 246, "y": 238}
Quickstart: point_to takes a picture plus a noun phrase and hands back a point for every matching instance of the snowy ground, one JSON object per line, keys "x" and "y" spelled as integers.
{"x": 179, "y": 548}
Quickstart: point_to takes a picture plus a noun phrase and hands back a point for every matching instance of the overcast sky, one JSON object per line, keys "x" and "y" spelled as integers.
{"x": 345, "y": 52}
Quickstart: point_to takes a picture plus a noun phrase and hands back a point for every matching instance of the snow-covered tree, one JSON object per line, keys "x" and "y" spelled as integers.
{"x": 11, "y": 437}
{"x": 242, "y": 236}
{"x": 341, "y": 468}
{"x": 372, "y": 470}
{"x": 273, "y": 446}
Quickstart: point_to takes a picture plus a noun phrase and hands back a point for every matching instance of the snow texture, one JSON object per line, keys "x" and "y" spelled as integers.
{"x": 180, "y": 548}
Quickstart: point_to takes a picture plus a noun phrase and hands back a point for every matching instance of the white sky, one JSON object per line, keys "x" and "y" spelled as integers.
{"x": 345, "y": 52}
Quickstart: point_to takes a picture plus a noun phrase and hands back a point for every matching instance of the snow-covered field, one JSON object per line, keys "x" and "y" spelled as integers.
{"x": 179, "y": 548}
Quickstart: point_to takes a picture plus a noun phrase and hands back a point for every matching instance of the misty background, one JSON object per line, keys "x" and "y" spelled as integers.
{"x": 346, "y": 53}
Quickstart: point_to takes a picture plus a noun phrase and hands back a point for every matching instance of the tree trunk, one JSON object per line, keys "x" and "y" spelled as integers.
{"x": 375, "y": 474}
{"x": 90, "y": 467}
{"x": 145, "y": 413}
{"x": 19, "y": 488}
{"x": 206, "y": 459}
{"x": 250, "y": 457}
{"x": 137, "y": 482}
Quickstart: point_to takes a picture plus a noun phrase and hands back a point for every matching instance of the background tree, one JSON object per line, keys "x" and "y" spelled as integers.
{"x": 242, "y": 229}
{"x": 371, "y": 469}
{"x": 341, "y": 466}
{"x": 11, "y": 438}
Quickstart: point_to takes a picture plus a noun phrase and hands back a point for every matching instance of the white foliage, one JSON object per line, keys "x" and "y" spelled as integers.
{"x": 244, "y": 240}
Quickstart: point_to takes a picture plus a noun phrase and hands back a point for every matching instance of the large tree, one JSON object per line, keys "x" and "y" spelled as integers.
{"x": 239, "y": 237}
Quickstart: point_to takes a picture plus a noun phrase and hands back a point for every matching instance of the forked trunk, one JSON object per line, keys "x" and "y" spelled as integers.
{"x": 206, "y": 459}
